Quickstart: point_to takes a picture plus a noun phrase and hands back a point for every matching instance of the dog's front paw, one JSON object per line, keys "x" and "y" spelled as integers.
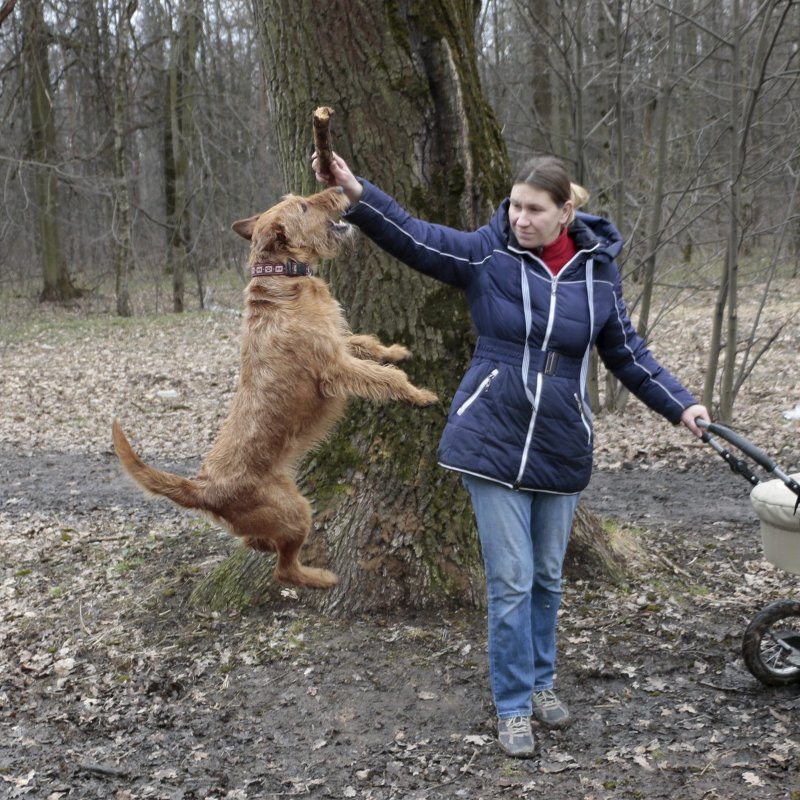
{"x": 422, "y": 398}
{"x": 396, "y": 353}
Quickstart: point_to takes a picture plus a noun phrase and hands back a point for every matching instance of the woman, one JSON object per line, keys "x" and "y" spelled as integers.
{"x": 543, "y": 289}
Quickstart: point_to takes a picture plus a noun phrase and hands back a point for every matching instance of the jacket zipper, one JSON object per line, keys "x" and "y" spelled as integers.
{"x": 550, "y": 322}
{"x": 583, "y": 417}
{"x": 485, "y": 384}
{"x": 532, "y": 423}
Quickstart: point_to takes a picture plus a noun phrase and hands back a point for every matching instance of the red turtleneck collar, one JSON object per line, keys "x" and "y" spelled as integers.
{"x": 558, "y": 252}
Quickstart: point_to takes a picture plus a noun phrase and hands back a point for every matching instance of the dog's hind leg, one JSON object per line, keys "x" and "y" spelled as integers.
{"x": 366, "y": 346}
{"x": 280, "y": 522}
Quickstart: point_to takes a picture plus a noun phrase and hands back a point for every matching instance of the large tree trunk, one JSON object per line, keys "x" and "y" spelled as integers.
{"x": 56, "y": 280}
{"x": 178, "y": 136}
{"x": 410, "y": 115}
{"x": 655, "y": 232}
{"x": 123, "y": 253}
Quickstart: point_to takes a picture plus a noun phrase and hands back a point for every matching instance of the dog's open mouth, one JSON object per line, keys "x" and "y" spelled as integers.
{"x": 340, "y": 228}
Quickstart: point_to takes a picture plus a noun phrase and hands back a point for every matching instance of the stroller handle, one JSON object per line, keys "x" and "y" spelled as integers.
{"x": 739, "y": 465}
{"x": 747, "y": 447}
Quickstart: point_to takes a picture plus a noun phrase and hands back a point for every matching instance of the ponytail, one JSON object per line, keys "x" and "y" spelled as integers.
{"x": 578, "y": 195}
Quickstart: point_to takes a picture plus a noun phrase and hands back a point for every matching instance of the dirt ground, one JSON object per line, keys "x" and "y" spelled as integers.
{"x": 113, "y": 686}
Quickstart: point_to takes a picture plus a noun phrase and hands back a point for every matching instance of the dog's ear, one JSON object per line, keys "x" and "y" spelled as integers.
{"x": 245, "y": 227}
{"x": 272, "y": 238}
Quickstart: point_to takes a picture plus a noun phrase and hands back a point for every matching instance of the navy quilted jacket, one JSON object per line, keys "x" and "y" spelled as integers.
{"x": 521, "y": 416}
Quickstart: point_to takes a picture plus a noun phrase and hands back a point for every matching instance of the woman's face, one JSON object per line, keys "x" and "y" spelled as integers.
{"x": 534, "y": 216}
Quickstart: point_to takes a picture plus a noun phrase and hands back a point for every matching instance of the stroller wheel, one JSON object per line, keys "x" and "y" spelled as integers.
{"x": 771, "y": 644}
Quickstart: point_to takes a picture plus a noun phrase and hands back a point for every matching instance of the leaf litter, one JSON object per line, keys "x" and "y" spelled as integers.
{"x": 113, "y": 686}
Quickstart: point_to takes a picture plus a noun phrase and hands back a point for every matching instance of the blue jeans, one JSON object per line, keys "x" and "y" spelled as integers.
{"x": 524, "y": 538}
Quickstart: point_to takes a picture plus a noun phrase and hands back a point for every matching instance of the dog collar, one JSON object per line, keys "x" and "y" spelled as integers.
{"x": 268, "y": 269}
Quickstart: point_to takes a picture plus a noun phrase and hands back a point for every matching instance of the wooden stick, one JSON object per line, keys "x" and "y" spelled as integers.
{"x": 322, "y": 137}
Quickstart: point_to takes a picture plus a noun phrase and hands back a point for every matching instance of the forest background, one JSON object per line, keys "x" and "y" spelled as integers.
{"x": 132, "y": 136}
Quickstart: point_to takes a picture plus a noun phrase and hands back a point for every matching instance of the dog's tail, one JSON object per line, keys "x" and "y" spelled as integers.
{"x": 183, "y": 491}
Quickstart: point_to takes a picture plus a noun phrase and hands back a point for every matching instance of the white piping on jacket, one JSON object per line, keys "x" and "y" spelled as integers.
{"x": 422, "y": 244}
{"x": 526, "y": 299}
{"x": 634, "y": 360}
{"x": 526, "y": 365}
{"x": 484, "y": 385}
{"x": 508, "y": 485}
{"x": 587, "y": 355}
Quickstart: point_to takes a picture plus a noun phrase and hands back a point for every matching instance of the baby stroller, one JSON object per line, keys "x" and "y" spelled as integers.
{"x": 771, "y": 643}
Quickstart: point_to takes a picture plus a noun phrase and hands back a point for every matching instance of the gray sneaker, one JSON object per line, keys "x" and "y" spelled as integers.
{"x": 549, "y": 710}
{"x": 516, "y": 737}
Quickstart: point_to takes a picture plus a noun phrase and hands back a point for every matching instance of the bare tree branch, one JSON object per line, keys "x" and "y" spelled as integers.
{"x": 6, "y": 9}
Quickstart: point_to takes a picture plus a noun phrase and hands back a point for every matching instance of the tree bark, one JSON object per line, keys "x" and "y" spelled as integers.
{"x": 734, "y": 215}
{"x": 543, "y": 97}
{"x": 615, "y": 393}
{"x": 594, "y": 554}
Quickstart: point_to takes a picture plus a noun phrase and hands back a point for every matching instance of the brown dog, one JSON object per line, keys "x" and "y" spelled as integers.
{"x": 299, "y": 365}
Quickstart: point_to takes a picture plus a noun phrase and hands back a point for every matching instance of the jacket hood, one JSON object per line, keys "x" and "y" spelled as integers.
{"x": 587, "y": 231}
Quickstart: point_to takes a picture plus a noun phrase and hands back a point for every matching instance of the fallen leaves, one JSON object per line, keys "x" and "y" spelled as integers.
{"x": 169, "y": 380}
{"x": 111, "y": 685}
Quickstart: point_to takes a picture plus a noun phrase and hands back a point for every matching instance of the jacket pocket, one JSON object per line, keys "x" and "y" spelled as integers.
{"x": 582, "y": 412}
{"x": 482, "y": 387}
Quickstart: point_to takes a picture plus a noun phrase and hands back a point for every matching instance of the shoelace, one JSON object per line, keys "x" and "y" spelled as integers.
{"x": 518, "y": 726}
{"x": 547, "y": 699}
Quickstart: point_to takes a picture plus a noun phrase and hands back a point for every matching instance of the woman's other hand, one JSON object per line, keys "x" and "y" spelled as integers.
{"x": 691, "y": 414}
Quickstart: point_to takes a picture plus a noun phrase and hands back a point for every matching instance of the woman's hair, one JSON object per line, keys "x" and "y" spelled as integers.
{"x": 549, "y": 174}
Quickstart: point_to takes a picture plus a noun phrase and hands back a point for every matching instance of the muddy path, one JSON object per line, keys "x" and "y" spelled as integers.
{"x": 80, "y": 482}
